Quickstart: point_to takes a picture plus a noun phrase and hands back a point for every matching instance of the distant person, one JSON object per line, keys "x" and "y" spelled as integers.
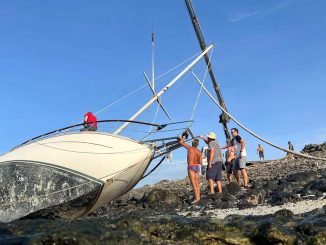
{"x": 260, "y": 152}
{"x": 230, "y": 158}
{"x": 90, "y": 122}
{"x": 214, "y": 163}
{"x": 194, "y": 161}
{"x": 291, "y": 148}
{"x": 241, "y": 158}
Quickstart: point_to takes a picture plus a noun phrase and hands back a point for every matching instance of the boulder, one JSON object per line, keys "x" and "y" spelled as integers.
{"x": 233, "y": 188}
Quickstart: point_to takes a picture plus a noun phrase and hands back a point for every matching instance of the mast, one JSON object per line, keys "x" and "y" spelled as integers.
{"x": 224, "y": 118}
{"x": 159, "y": 94}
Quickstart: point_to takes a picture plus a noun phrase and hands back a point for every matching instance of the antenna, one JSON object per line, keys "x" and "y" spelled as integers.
{"x": 151, "y": 84}
{"x": 153, "y": 48}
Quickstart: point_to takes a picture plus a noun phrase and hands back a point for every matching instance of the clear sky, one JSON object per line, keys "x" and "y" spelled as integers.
{"x": 59, "y": 59}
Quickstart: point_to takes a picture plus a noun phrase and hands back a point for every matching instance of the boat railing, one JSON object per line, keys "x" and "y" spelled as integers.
{"x": 76, "y": 127}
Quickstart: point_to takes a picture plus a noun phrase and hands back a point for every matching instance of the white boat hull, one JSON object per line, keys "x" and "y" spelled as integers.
{"x": 84, "y": 169}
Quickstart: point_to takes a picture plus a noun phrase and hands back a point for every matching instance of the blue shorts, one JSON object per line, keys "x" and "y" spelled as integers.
{"x": 215, "y": 172}
{"x": 194, "y": 168}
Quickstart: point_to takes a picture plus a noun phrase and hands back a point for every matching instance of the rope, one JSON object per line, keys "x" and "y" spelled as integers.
{"x": 151, "y": 127}
{"x": 153, "y": 168}
{"x": 144, "y": 85}
{"x": 251, "y": 132}
{"x": 121, "y": 99}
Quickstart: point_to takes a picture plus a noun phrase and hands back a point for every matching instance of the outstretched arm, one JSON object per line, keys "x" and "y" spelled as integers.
{"x": 204, "y": 139}
{"x": 183, "y": 143}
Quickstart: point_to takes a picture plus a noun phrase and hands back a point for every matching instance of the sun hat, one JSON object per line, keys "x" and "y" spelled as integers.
{"x": 211, "y": 135}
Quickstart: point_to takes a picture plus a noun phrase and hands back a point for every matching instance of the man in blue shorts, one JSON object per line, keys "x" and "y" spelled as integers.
{"x": 214, "y": 163}
{"x": 194, "y": 161}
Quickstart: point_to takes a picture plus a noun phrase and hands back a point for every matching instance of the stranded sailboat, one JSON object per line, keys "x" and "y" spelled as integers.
{"x": 70, "y": 173}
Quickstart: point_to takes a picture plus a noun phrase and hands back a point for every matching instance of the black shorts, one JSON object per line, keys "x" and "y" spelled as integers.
{"x": 215, "y": 172}
{"x": 229, "y": 166}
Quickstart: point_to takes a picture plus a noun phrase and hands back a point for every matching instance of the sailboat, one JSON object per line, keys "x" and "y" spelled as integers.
{"x": 69, "y": 173}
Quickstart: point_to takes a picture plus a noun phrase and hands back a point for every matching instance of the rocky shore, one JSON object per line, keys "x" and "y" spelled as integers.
{"x": 285, "y": 204}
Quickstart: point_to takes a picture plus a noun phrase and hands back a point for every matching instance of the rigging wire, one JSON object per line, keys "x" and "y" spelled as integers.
{"x": 144, "y": 85}
{"x": 200, "y": 89}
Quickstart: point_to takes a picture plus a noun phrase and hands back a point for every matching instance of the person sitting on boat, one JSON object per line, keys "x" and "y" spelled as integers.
{"x": 90, "y": 122}
{"x": 194, "y": 161}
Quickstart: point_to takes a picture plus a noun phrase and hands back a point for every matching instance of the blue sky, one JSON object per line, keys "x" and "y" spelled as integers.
{"x": 59, "y": 59}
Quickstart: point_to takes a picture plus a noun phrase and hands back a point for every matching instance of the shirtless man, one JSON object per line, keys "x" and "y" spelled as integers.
{"x": 260, "y": 152}
{"x": 230, "y": 158}
{"x": 194, "y": 161}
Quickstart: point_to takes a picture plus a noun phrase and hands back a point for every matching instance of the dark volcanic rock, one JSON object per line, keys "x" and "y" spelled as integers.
{"x": 255, "y": 196}
{"x": 158, "y": 197}
{"x": 301, "y": 177}
{"x": 269, "y": 233}
{"x": 283, "y": 213}
{"x": 271, "y": 186}
{"x": 233, "y": 188}
{"x": 283, "y": 197}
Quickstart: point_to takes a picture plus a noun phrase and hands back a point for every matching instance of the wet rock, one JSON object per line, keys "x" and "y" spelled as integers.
{"x": 306, "y": 228}
{"x": 319, "y": 238}
{"x": 269, "y": 233}
{"x": 283, "y": 213}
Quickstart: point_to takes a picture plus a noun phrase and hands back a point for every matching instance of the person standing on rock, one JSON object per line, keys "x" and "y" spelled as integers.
{"x": 291, "y": 148}
{"x": 230, "y": 158}
{"x": 214, "y": 163}
{"x": 194, "y": 161}
{"x": 260, "y": 152}
{"x": 241, "y": 158}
